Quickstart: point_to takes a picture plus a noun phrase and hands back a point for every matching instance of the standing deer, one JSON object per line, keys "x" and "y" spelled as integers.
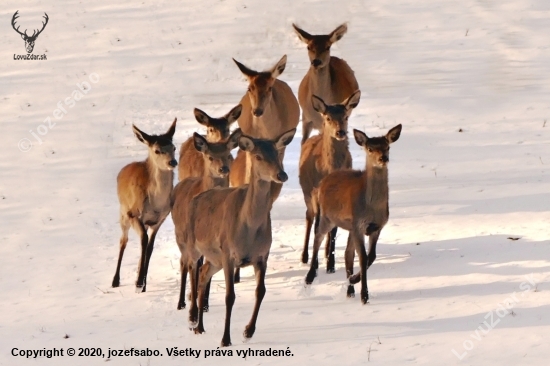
{"x": 322, "y": 155}
{"x": 328, "y": 77}
{"x": 144, "y": 190}
{"x": 217, "y": 159}
{"x": 217, "y": 130}
{"x": 269, "y": 109}
{"x": 29, "y": 40}
{"x": 231, "y": 227}
{"x": 356, "y": 201}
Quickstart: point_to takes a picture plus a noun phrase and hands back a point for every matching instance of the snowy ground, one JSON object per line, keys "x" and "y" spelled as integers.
{"x": 445, "y": 262}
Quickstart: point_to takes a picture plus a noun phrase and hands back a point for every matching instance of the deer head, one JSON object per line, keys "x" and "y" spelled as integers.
{"x": 29, "y": 40}
{"x": 318, "y": 46}
{"x": 260, "y": 85}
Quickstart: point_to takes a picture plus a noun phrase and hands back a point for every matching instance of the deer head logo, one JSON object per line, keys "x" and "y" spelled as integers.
{"x": 29, "y": 40}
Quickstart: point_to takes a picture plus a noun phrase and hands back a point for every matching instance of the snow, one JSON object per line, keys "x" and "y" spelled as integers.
{"x": 445, "y": 262}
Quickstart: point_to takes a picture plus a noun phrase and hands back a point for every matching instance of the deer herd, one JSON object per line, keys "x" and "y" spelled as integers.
{"x": 221, "y": 205}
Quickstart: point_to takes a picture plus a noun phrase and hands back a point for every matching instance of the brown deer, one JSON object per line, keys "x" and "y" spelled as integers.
{"x": 322, "y": 155}
{"x": 269, "y": 109}
{"x": 231, "y": 227}
{"x": 356, "y": 201}
{"x": 144, "y": 190}
{"x": 328, "y": 77}
{"x": 217, "y": 160}
{"x": 29, "y": 40}
{"x": 217, "y": 130}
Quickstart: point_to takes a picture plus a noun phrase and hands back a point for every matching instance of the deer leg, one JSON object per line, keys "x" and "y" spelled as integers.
{"x": 349, "y": 256}
{"x": 150, "y": 245}
{"x": 142, "y": 232}
{"x": 206, "y": 273}
{"x": 125, "y": 226}
{"x": 322, "y": 226}
{"x": 194, "y": 274}
{"x": 309, "y": 224}
{"x": 237, "y": 276}
{"x": 206, "y": 305}
{"x": 183, "y": 269}
{"x": 359, "y": 241}
{"x": 228, "y": 269}
{"x": 373, "y": 240}
{"x": 330, "y": 247}
{"x": 259, "y": 271}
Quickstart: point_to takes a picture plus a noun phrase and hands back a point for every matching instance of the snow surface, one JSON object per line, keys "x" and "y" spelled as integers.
{"x": 444, "y": 260}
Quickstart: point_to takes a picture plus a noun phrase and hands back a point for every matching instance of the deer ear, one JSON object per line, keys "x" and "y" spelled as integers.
{"x": 234, "y": 114}
{"x": 201, "y": 117}
{"x": 353, "y": 100}
{"x": 338, "y": 33}
{"x": 170, "y": 133}
{"x": 245, "y": 70}
{"x": 246, "y": 143}
{"x": 278, "y": 68}
{"x": 318, "y": 104}
{"x": 285, "y": 139}
{"x": 302, "y": 34}
{"x": 393, "y": 134}
{"x": 360, "y": 137}
{"x": 200, "y": 143}
{"x": 142, "y": 136}
{"x": 233, "y": 140}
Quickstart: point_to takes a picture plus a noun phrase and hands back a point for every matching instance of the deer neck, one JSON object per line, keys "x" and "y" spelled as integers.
{"x": 257, "y": 202}
{"x": 334, "y": 152}
{"x": 376, "y": 184}
{"x": 160, "y": 181}
{"x": 208, "y": 181}
{"x": 321, "y": 83}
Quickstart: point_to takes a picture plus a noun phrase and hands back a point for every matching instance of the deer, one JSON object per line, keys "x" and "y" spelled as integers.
{"x": 269, "y": 109}
{"x": 328, "y": 77}
{"x": 356, "y": 201}
{"x": 216, "y": 165}
{"x": 144, "y": 190}
{"x": 323, "y": 154}
{"x": 29, "y": 40}
{"x": 231, "y": 227}
{"x": 217, "y": 130}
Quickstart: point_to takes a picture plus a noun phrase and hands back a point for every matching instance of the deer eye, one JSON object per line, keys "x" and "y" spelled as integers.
{"x": 259, "y": 158}
{"x": 157, "y": 152}
{"x": 270, "y": 88}
{"x": 210, "y": 158}
{"x": 248, "y": 90}
{"x": 229, "y": 156}
{"x": 369, "y": 149}
{"x": 328, "y": 48}
{"x": 309, "y": 48}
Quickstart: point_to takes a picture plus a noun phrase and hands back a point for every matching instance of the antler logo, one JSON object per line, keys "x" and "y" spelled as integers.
{"x": 29, "y": 40}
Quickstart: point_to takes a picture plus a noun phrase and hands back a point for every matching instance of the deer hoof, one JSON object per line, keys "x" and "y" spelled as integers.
{"x": 198, "y": 330}
{"x": 181, "y": 305}
{"x": 226, "y": 342}
{"x": 364, "y": 297}
{"x": 140, "y": 289}
{"x": 351, "y": 291}
{"x": 205, "y": 308}
{"x": 248, "y": 332}
{"x": 310, "y": 277}
{"x": 331, "y": 270}
{"x": 305, "y": 258}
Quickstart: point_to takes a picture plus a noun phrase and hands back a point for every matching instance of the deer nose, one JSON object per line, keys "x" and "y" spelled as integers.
{"x": 224, "y": 170}
{"x": 384, "y": 159}
{"x": 258, "y": 112}
{"x": 341, "y": 134}
{"x": 282, "y": 177}
{"x": 316, "y": 62}
{"x": 173, "y": 163}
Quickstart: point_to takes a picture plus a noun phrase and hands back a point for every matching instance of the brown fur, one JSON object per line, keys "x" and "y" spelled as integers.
{"x": 269, "y": 109}
{"x": 231, "y": 227}
{"x": 217, "y": 163}
{"x": 328, "y": 77}
{"x": 325, "y": 153}
{"x": 144, "y": 194}
{"x": 356, "y": 201}
{"x": 217, "y": 131}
